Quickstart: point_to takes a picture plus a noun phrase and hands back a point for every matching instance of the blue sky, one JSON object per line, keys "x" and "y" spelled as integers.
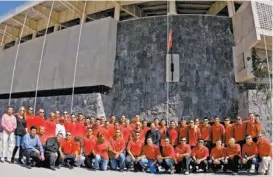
{"x": 7, "y": 6}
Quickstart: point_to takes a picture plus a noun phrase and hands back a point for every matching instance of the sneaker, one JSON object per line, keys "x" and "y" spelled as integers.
{"x": 172, "y": 172}
{"x": 2, "y": 160}
{"x": 234, "y": 173}
{"x": 52, "y": 168}
{"x": 187, "y": 172}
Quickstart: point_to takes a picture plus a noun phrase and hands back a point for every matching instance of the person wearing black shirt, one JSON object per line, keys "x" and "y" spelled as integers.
{"x": 52, "y": 148}
{"x": 20, "y": 131}
{"x": 154, "y": 134}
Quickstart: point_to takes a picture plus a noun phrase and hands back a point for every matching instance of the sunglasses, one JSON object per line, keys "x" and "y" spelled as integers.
{"x": 68, "y": 135}
{"x": 183, "y": 140}
{"x": 30, "y": 109}
{"x": 239, "y": 119}
{"x": 41, "y": 112}
{"x": 201, "y": 142}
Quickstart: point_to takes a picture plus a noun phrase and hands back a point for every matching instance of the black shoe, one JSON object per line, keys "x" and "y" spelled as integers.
{"x": 20, "y": 161}
{"x": 69, "y": 166}
{"x": 52, "y": 168}
{"x": 121, "y": 170}
{"x": 33, "y": 164}
{"x": 12, "y": 160}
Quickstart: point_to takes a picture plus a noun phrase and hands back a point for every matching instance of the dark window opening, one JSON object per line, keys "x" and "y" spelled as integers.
{"x": 70, "y": 23}
{"x": 42, "y": 32}
{"x": 10, "y": 44}
{"x": 26, "y": 38}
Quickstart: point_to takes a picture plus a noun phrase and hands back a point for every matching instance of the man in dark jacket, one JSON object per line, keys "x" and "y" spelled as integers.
{"x": 52, "y": 147}
{"x": 154, "y": 134}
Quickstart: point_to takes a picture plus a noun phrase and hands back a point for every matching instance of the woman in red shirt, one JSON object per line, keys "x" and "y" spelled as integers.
{"x": 101, "y": 153}
{"x": 89, "y": 143}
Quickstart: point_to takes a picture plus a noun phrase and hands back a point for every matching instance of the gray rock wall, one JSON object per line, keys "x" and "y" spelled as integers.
{"x": 253, "y": 101}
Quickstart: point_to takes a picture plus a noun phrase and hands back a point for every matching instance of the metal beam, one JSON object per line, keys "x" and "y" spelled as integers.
{"x": 11, "y": 32}
{"x": 192, "y": 11}
{"x": 133, "y": 10}
{"x": 217, "y": 7}
{"x": 30, "y": 24}
{"x": 44, "y": 13}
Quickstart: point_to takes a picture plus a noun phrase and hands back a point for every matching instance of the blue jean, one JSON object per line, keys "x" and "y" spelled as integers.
{"x": 253, "y": 161}
{"x": 19, "y": 140}
{"x": 100, "y": 163}
{"x": 120, "y": 160}
{"x": 167, "y": 164}
{"x": 148, "y": 163}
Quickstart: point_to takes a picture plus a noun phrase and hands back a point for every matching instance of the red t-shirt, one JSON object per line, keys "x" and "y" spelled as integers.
{"x": 173, "y": 135}
{"x": 229, "y": 133}
{"x": 236, "y": 150}
{"x": 126, "y": 133}
{"x": 135, "y": 147}
{"x": 37, "y": 121}
{"x": 182, "y": 150}
{"x": 253, "y": 129}
{"x": 102, "y": 150}
{"x": 103, "y": 131}
{"x": 163, "y": 133}
{"x": 206, "y": 132}
{"x": 144, "y": 130}
{"x": 117, "y": 144}
{"x": 194, "y": 134}
{"x": 151, "y": 152}
{"x": 43, "y": 138}
{"x": 142, "y": 135}
{"x": 71, "y": 127}
{"x": 218, "y": 132}
{"x": 89, "y": 144}
{"x": 183, "y": 131}
{"x": 168, "y": 151}
{"x": 68, "y": 147}
{"x": 239, "y": 131}
{"x": 50, "y": 128}
{"x": 80, "y": 128}
{"x": 250, "y": 150}
{"x": 200, "y": 153}
{"x": 218, "y": 152}
{"x": 264, "y": 148}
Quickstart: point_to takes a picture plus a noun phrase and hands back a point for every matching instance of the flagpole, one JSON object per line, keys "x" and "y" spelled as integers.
{"x": 172, "y": 64}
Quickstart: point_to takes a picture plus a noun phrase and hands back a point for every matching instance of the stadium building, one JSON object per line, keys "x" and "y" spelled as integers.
{"x": 112, "y": 57}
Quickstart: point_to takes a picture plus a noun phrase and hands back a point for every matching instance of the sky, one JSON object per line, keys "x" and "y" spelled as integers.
{"x": 7, "y": 6}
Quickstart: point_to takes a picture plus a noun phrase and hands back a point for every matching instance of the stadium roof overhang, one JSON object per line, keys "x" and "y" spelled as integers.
{"x": 36, "y": 16}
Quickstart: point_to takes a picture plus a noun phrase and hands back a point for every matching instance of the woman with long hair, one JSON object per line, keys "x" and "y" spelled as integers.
{"x": 20, "y": 131}
{"x": 101, "y": 153}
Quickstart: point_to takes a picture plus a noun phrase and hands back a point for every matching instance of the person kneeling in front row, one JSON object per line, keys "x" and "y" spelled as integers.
{"x": 168, "y": 159}
{"x": 218, "y": 154}
{"x": 52, "y": 147}
{"x": 30, "y": 142}
{"x": 233, "y": 152}
{"x": 149, "y": 157}
{"x": 183, "y": 156}
{"x": 200, "y": 153}
{"x": 265, "y": 154}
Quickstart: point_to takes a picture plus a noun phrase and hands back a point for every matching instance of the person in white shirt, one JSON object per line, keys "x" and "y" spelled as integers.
{"x": 60, "y": 127}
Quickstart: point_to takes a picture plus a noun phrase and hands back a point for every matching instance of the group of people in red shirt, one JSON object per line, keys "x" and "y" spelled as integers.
{"x": 99, "y": 144}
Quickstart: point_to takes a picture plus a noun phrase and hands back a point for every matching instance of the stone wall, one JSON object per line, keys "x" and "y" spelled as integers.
{"x": 253, "y": 101}
{"x": 207, "y": 85}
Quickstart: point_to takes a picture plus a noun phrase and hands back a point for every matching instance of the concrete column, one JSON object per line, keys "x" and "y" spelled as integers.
{"x": 56, "y": 27}
{"x": 117, "y": 11}
{"x": 34, "y": 35}
{"x": 172, "y": 7}
{"x": 231, "y": 8}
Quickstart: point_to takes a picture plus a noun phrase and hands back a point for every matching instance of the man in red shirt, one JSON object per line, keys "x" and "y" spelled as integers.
{"x": 265, "y": 154}
{"x": 183, "y": 129}
{"x": 42, "y": 135}
{"x": 249, "y": 155}
{"x": 229, "y": 130}
{"x": 71, "y": 126}
{"x": 38, "y": 120}
{"x": 29, "y": 114}
{"x": 150, "y": 156}
{"x": 122, "y": 121}
{"x": 253, "y": 127}
{"x": 172, "y": 133}
{"x": 126, "y": 128}
{"x": 89, "y": 143}
{"x": 218, "y": 131}
{"x": 57, "y": 116}
{"x": 199, "y": 154}
{"x": 134, "y": 151}
{"x": 145, "y": 127}
{"x": 68, "y": 147}
{"x": 168, "y": 158}
{"x": 218, "y": 154}
{"x": 137, "y": 120}
{"x": 239, "y": 131}
{"x": 206, "y": 133}
{"x": 50, "y": 125}
{"x": 117, "y": 153}
{"x": 193, "y": 134}
{"x": 183, "y": 156}
{"x": 233, "y": 152}
{"x": 66, "y": 116}
{"x": 112, "y": 120}
{"x": 80, "y": 128}
{"x": 137, "y": 129}
{"x": 163, "y": 131}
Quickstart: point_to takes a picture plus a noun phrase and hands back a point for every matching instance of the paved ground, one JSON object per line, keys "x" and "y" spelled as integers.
{"x": 14, "y": 170}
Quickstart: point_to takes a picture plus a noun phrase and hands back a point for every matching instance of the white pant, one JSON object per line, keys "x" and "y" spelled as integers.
{"x": 79, "y": 161}
{"x": 264, "y": 164}
{"x": 8, "y": 142}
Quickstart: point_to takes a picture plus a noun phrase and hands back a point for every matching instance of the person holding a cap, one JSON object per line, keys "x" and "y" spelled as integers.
{"x": 218, "y": 154}
{"x": 206, "y": 133}
{"x": 193, "y": 134}
{"x": 183, "y": 156}
{"x": 200, "y": 154}
{"x": 229, "y": 130}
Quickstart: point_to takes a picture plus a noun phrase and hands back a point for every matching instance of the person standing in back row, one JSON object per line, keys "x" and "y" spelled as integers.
{"x": 20, "y": 131}
{"x": 8, "y": 123}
